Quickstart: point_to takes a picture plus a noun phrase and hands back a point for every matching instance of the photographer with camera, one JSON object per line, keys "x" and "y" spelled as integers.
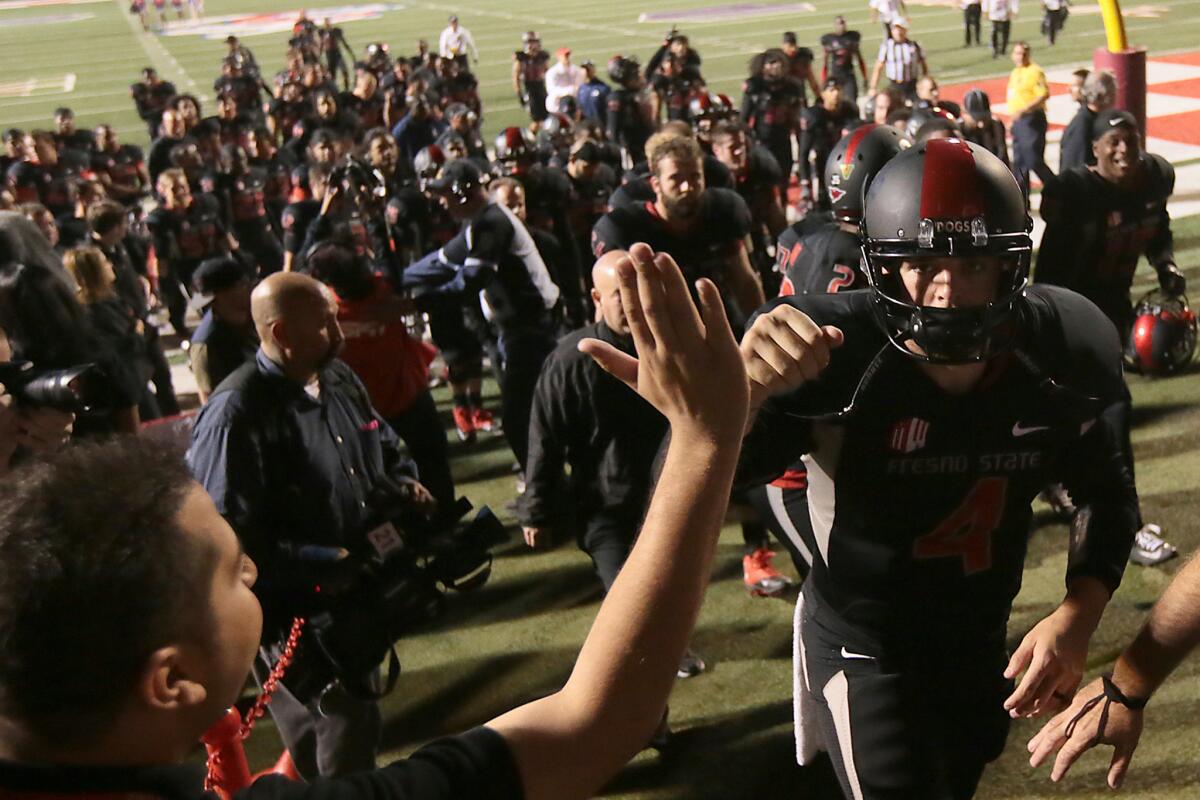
{"x": 151, "y": 547}
{"x": 353, "y": 214}
{"x": 293, "y": 454}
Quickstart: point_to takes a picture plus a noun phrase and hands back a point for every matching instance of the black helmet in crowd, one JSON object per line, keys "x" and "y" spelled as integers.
{"x": 624, "y": 70}
{"x": 514, "y": 151}
{"x": 945, "y": 198}
{"x": 427, "y": 164}
{"x": 556, "y": 133}
{"x": 854, "y": 161}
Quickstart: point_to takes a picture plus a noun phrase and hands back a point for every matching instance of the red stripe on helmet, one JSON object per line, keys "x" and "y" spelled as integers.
{"x": 950, "y": 186}
{"x": 1143, "y": 342}
{"x": 857, "y": 136}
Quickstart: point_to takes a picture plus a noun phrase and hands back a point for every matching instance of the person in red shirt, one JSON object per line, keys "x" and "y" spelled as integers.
{"x": 393, "y": 365}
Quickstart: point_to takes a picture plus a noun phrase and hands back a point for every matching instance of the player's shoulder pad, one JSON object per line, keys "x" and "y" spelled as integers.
{"x": 727, "y": 209}
{"x": 1072, "y": 340}
{"x": 1162, "y": 174}
{"x": 853, "y": 36}
{"x": 826, "y": 39}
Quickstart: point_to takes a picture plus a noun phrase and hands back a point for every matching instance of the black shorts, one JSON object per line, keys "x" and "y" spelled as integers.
{"x": 918, "y": 724}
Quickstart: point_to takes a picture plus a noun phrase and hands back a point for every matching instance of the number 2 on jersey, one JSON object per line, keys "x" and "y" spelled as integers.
{"x": 967, "y": 532}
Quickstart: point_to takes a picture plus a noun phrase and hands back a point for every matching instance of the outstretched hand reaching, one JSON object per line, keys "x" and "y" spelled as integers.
{"x": 688, "y": 365}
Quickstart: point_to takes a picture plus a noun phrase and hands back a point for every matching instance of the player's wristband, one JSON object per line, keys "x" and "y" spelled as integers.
{"x": 1112, "y": 692}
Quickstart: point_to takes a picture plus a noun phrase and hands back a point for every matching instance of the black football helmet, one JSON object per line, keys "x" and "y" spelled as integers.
{"x": 855, "y": 160}
{"x": 624, "y": 70}
{"x": 428, "y": 163}
{"x": 514, "y": 152}
{"x": 556, "y": 133}
{"x": 945, "y": 198}
{"x": 1163, "y": 338}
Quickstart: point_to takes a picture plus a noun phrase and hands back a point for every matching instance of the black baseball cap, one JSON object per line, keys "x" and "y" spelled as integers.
{"x": 977, "y": 104}
{"x": 1110, "y": 120}
{"x": 213, "y": 276}
{"x": 456, "y": 177}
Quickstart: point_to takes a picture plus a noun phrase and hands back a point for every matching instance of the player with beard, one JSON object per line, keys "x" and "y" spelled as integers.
{"x": 930, "y": 411}
{"x": 628, "y": 118}
{"x": 242, "y": 190}
{"x": 74, "y": 146}
{"x": 821, "y": 127}
{"x": 120, "y": 167}
{"x": 704, "y": 230}
{"x": 757, "y": 177}
{"x": 232, "y": 125}
{"x": 771, "y": 104}
{"x": 841, "y": 52}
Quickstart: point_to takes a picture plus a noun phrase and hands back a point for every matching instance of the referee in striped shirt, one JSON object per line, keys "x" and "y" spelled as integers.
{"x": 901, "y": 60}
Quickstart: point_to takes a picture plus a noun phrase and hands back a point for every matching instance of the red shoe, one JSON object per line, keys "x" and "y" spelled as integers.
{"x": 464, "y": 424}
{"x": 483, "y": 420}
{"x": 762, "y": 579}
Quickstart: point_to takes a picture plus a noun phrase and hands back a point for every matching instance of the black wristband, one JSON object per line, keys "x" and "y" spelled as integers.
{"x": 1117, "y": 696}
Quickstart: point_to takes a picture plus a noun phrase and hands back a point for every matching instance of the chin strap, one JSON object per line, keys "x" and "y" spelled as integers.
{"x": 228, "y": 770}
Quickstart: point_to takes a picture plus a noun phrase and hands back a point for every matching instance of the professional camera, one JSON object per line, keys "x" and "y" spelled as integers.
{"x": 358, "y": 605}
{"x": 361, "y": 182}
{"x": 74, "y": 390}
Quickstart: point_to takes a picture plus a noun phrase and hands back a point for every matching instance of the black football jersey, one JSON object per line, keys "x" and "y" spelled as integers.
{"x": 920, "y": 500}
{"x": 841, "y": 52}
{"x": 1096, "y": 232}
{"x": 821, "y": 261}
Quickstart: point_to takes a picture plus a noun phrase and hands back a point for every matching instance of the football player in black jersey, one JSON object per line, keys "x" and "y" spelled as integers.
{"x": 628, "y": 119}
{"x": 771, "y": 104}
{"x": 757, "y": 177}
{"x": 841, "y": 53}
{"x": 120, "y": 167}
{"x": 1100, "y": 221}
{"x": 822, "y": 257}
{"x": 529, "y": 75}
{"x": 800, "y": 64}
{"x": 930, "y": 410}
{"x": 704, "y": 230}
{"x": 821, "y": 127}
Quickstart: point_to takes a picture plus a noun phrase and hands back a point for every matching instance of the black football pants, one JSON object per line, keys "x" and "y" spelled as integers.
{"x": 607, "y": 537}
{"x": 971, "y": 15}
{"x": 523, "y": 351}
{"x": 421, "y": 429}
{"x": 920, "y": 725}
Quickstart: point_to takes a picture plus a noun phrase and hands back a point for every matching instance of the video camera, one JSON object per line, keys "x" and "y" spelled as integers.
{"x": 362, "y": 183}
{"x": 74, "y": 390}
{"x": 358, "y": 605}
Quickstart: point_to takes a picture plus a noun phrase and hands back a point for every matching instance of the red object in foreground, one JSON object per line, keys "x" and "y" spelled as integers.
{"x": 1129, "y": 67}
{"x": 228, "y": 770}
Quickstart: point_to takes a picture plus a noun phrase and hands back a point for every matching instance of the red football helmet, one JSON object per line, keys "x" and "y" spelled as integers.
{"x": 1163, "y": 338}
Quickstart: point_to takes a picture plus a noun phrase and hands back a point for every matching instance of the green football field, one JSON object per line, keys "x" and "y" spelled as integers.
{"x": 517, "y": 637}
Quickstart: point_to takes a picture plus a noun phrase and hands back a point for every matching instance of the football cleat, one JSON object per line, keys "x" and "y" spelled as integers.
{"x": 1149, "y": 548}
{"x": 464, "y": 424}
{"x": 690, "y": 665}
{"x": 761, "y": 578}
{"x": 483, "y": 420}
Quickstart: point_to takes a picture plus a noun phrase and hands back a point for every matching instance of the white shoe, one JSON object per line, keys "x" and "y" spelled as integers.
{"x": 691, "y": 665}
{"x": 1149, "y": 548}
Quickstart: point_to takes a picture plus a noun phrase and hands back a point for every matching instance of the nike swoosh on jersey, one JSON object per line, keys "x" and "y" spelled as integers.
{"x": 1018, "y": 430}
{"x": 847, "y": 654}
